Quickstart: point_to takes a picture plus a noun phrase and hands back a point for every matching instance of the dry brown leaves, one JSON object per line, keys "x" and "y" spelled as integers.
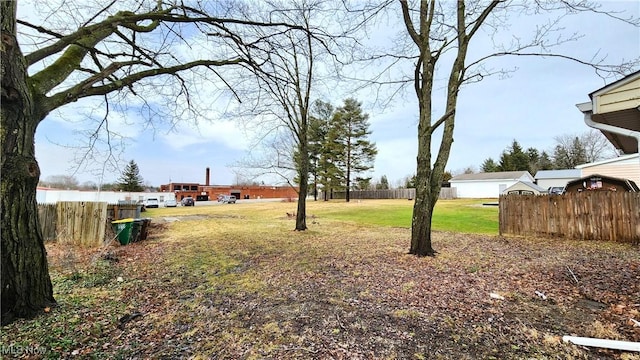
{"x": 353, "y": 293}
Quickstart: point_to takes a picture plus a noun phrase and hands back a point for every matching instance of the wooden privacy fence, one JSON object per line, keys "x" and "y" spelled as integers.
{"x": 445, "y": 193}
{"x": 589, "y": 215}
{"x": 82, "y": 223}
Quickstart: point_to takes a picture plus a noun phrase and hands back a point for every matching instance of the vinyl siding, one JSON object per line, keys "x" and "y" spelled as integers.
{"x": 626, "y": 170}
{"x": 624, "y": 97}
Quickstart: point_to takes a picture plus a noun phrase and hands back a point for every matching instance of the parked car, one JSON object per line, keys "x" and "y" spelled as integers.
{"x": 151, "y": 203}
{"x": 556, "y": 190}
{"x": 171, "y": 203}
{"x": 188, "y": 201}
{"x": 228, "y": 199}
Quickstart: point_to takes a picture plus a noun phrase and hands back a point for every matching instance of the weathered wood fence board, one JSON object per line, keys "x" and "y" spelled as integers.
{"x": 81, "y": 223}
{"x": 445, "y": 193}
{"x": 47, "y": 216}
{"x": 590, "y": 215}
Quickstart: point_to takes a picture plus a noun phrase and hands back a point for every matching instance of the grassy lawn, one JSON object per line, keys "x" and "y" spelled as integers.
{"x": 235, "y": 282}
{"x": 462, "y": 216}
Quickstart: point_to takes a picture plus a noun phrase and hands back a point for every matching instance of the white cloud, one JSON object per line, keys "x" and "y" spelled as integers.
{"x": 227, "y": 133}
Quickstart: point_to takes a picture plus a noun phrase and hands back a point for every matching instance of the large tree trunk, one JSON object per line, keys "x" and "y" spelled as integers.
{"x": 301, "y": 217}
{"x": 428, "y": 177}
{"x": 421, "y": 230}
{"x": 315, "y": 183}
{"x": 423, "y": 207}
{"x": 26, "y": 286}
{"x": 348, "y": 193}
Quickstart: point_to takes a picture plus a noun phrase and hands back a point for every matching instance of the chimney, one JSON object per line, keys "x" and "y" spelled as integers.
{"x": 206, "y": 180}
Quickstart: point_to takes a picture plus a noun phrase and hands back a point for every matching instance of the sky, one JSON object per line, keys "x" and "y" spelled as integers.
{"x": 533, "y": 105}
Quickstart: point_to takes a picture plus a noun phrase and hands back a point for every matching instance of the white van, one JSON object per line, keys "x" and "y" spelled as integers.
{"x": 151, "y": 203}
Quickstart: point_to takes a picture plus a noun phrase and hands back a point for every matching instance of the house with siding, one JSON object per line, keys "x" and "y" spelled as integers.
{"x": 487, "y": 185}
{"x": 615, "y": 111}
{"x": 550, "y": 178}
{"x": 623, "y": 167}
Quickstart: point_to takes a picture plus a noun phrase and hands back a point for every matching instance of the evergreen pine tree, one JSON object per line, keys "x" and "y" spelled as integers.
{"x": 318, "y": 131}
{"x": 130, "y": 180}
{"x": 489, "y": 166}
{"x": 349, "y": 131}
{"x": 410, "y": 182}
{"x": 384, "y": 183}
{"x": 578, "y": 152}
{"x": 534, "y": 158}
{"x": 544, "y": 162}
{"x": 514, "y": 159}
{"x": 363, "y": 183}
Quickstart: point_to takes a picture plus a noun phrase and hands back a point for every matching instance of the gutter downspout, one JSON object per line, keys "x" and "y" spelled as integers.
{"x": 587, "y": 110}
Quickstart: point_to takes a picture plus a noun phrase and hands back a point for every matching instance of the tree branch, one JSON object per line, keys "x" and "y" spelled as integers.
{"x": 85, "y": 89}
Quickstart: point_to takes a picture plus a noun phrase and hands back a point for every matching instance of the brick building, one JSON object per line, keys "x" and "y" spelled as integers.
{"x": 208, "y": 192}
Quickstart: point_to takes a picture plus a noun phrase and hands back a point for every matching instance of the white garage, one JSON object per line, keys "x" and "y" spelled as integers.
{"x": 487, "y": 185}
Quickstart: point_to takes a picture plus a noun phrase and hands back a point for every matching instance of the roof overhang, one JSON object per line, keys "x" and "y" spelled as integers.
{"x": 622, "y": 125}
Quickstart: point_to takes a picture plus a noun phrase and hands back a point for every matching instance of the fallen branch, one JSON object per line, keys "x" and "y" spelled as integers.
{"x": 572, "y": 274}
{"x": 125, "y": 319}
{"x": 340, "y": 322}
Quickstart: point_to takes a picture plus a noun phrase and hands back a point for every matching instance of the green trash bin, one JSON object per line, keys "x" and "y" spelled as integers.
{"x": 123, "y": 229}
{"x": 135, "y": 230}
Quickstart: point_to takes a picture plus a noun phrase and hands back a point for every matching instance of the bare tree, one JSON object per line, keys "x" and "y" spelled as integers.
{"x": 271, "y": 156}
{"x": 597, "y": 146}
{"x": 61, "y": 182}
{"x": 286, "y": 70}
{"x": 126, "y": 53}
{"x": 441, "y": 33}
{"x": 592, "y": 143}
